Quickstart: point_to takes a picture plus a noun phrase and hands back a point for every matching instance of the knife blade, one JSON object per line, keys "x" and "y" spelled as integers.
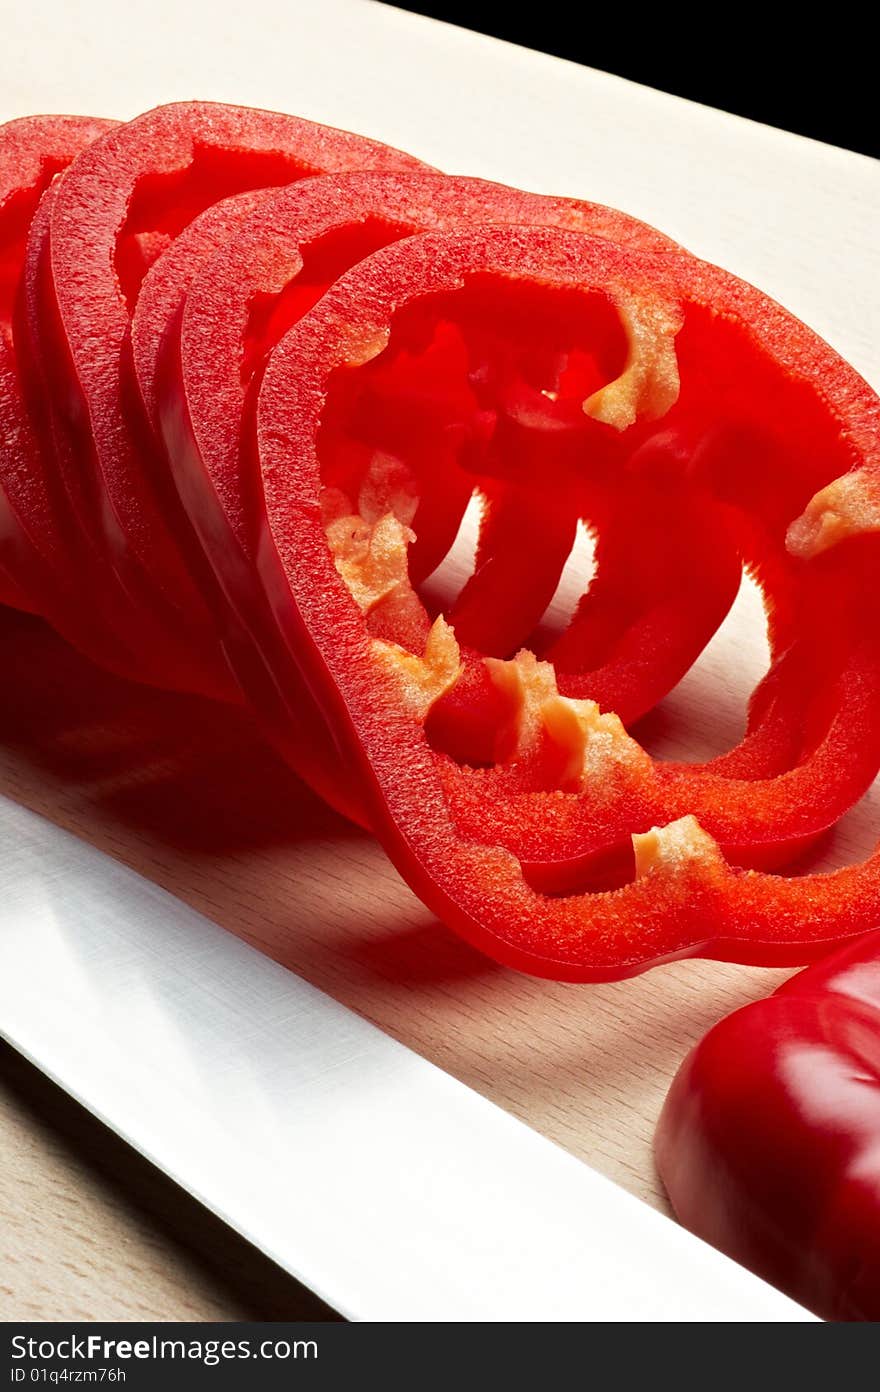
{"x": 389, "y": 1188}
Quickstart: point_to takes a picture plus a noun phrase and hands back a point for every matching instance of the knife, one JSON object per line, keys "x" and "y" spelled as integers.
{"x": 390, "y": 1189}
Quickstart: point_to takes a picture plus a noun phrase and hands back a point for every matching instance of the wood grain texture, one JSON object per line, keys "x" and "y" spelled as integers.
{"x": 73, "y": 1248}
{"x": 186, "y": 793}
{"x": 188, "y": 796}
{"x": 92, "y": 1230}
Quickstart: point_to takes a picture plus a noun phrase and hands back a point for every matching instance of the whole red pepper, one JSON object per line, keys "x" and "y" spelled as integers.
{"x": 769, "y": 1140}
{"x": 479, "y": 845}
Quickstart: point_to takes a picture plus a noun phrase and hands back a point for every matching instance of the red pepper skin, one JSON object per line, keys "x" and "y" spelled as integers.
{"x": 740, "y": 355}
{"x": 189, "y": 358}
{"x": 163, "y": 293}
{"x": 769, "y": 1140}
{"x": 296, "y": 723}
{"x": 32, "y": 151}
{"x": 759, "y": 823}
{"x": 94, "y": 614}
{"x": 116, "y": 209}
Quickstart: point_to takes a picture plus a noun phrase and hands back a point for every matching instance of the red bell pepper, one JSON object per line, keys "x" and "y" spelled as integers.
{"x": 94, "y": 613}
{"x": 769, "y": 1139}
{"x": 32, "y": 151}
{"x": 757, "y": 825}
{"x": 121, "y": 203}
{"x": 199, "y": 366}
{"x": 711, "y": 363}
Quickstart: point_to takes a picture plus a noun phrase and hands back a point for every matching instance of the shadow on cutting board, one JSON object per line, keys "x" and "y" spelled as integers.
{"x": 92, "y": 751}
{"x": 190, "y": 771}
{"x": 187, "y": 794}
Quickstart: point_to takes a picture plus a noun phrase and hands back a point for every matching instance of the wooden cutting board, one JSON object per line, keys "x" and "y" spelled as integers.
{"x": 186, "y": 793}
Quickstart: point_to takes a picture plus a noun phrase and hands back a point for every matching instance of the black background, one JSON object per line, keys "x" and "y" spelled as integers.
{"x": 814, "y": 71}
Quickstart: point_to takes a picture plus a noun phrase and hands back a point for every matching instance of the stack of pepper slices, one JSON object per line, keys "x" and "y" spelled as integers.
{"x": 252, "y": 373}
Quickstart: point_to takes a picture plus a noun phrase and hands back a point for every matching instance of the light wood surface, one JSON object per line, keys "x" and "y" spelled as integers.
{"x": 185, "y": 793}
{"x": 188, "y": 796}
{"x": 92, "y": 1231}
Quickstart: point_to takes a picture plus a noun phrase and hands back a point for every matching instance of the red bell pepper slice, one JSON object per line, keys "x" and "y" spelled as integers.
{"x": 32, "y": 151}
{"x": 121, "y": 203}
{"x": 288, "y": 712}
{"x": 198, "y": 369}
{"x": 769, "y": 1140}
{"x": 757, "y": 825}
{"x": 93, "y": 613}
{"x": 713, "y": 361}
